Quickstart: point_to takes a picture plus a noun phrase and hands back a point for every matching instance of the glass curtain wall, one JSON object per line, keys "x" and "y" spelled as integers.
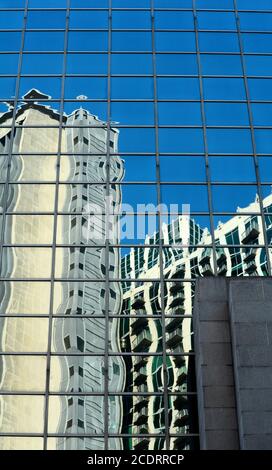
{"x": 136, "y": 156}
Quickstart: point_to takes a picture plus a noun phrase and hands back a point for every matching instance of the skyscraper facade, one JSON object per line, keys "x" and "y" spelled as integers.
{"x": 136, "y": 156}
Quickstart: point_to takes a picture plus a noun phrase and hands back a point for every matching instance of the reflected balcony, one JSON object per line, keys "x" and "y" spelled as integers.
{"x": 178, "y": 300}
{"x": 250, "y": 254}
{"x": 181, "y": 402}
{"x": 141, "y": 403}
{"x": 251, "y": 233}
{"x": 140, "y": 379}
{"x": 140, "y": 362}
{"x": 138, "y": 325}
{"x": 142, "y": 443}
{"x": 176, "y": 288}
{"x": 181, "y": 420}
{"x": 182, "y": 443}
{"x": 138, "y": 303}
{"x": 142, "y": 342}
{"x": 251, "y": 267}
{"x": 142, "y": 419}
{"x": 182, "y": 378}
{"x": 205, "y": 257}
{"x": 222, "y": 269}
{"x": 173, "y": 324}
{"x": 207, "y": 270}
{"x": 174, "y": 339}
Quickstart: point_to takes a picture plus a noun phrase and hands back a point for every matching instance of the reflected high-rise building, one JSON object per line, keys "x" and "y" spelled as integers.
{"x": 239, "y": 251}
{"x": 78, "y": 344}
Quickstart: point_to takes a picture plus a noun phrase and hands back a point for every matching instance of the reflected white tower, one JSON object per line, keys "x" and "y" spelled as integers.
{"x": 86, "y": 144}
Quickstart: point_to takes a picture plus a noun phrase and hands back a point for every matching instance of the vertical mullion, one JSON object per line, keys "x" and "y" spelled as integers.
{"x": 253, "y": 142}
{"x": 12, "y": 134}
{"x": 159, "y": 201}
{"x": 52, "y": 283}
{"x": 206, "y": 150}
{"x": 107, "y": 212}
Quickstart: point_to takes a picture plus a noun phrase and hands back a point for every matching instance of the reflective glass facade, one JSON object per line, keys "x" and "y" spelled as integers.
{"x": 136, "y": 156}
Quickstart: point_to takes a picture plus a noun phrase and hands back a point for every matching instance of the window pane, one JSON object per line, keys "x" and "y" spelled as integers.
{"x": 226, "y": 114}
{"x": 224, "y": 89}
{"x": 216, "y": 20}
{"x": 218, "y": 42}
{"x": 178, "y": 88}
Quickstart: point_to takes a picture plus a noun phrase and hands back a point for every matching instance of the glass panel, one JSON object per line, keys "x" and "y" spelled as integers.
{"x": 24, "y": 374}
{"x": 26, "y": 263}
{"x": 25, "y": 414}
{"x": 24, "y": 334}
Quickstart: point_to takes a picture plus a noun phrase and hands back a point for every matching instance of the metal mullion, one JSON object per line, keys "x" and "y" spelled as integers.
{"x": 51, "y": 304}
{"x": 253, "y": 141}
{"x": 203, "y": 116}
{"x": 12, "y": 133}
{"x": 164, "y": 356}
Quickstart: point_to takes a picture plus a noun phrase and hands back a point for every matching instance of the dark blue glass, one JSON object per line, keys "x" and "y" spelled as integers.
{"x": 176, "y": 42}
{"x": 226, "y": 141}
{"x": 93, "y": 88}
{"x": 88, "y": 19}
{"x": 258, "y": 65}
{"x": 257, "y": 42}
{"x": 174, "y": 20}
{"x": 214, "y": 4}
{"x": 181, "y": 169}
{"x": 232, "y": 169}
{"x": 218, "y": 42}
{"x": 229, "y": 198}
{"x": 11, "y": 21}
{"x": 194, "y": 195}
{"x": 260, "y": 89}
{"x": 226, "y": 114}
{"x": 10, "y": 41}
{"x": 87, "y": 64}
{"x": 88, "y": 41}
{"x": 10, "y": 64}
{"x": 46, "y": 20}
{"x": 131, "y": 20}
{"x": 53, "y": 41}
{"x": 182, "y": 141}
{"x": 263, "y": 139}
{"x": 255, "y": 21}
{"x": 253, "y": 5}
{"x": 185, "y": 114}
{"x": 218, "y": 20}
{"x": 220, "y": 64}
{"x": 131, "y": 64}
{"x": 131, "y": 88}
{"x": 265, "y": 167}
{"x": 224, "y": 89}
{"x": 7, "y": 87}
{"x": 178, "y": 88}
{"x": 262, "y": 114}
{"x": 131, "y": 41}
{"x": 132, "y": 113}
{"x": 42, "y": 63}
{"x": 176, "y": 64}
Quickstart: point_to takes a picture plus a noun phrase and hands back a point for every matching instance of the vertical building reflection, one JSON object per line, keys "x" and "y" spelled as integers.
{"x": 84, "y": 138}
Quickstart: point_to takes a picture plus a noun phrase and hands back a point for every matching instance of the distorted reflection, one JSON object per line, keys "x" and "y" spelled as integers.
{"x": 123, "y": 362}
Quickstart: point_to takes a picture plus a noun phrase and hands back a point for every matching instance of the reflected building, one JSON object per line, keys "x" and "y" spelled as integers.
{"x": 239, "y": 251}
{"x": 81, "y": 342}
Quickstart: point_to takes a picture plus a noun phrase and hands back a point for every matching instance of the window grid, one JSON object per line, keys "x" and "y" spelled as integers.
{"x": 209, "y": 183}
